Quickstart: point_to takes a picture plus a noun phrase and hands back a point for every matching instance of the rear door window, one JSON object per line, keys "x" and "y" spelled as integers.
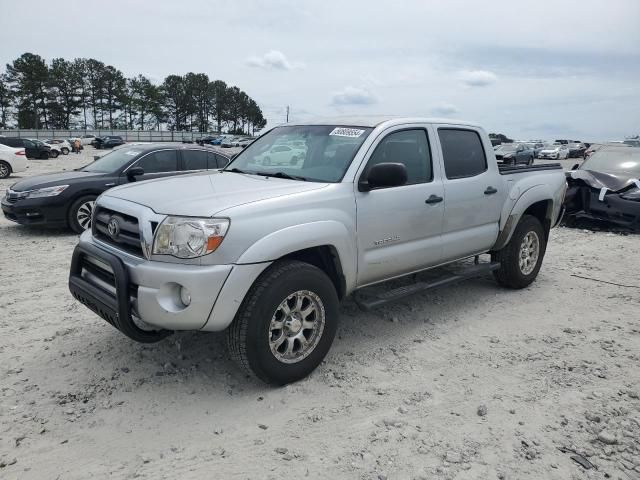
{"x": 194, "y": 159}
{"x": 463, "y": 153}
{"x": 158, "y": 162}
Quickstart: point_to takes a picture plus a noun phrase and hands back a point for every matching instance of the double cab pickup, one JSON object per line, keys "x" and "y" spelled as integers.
{"x": 267, "y": 250}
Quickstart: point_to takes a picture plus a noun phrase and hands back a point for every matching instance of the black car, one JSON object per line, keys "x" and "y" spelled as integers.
{"x": 32, "y": 148}
{"x": 66, "y": 198}
{"x": 109, "y": 141}
{"x": 606, "y": 188}
{"x": 514, "y": 154}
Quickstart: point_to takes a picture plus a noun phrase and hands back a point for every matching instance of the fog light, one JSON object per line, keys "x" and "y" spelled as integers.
{"x": 185, "y": 296}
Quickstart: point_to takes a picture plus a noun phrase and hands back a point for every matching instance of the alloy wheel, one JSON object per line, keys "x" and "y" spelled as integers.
{"x": 296, "y": 326}
{"x": 529, "y": 253}
{"x": 83, "y": 215}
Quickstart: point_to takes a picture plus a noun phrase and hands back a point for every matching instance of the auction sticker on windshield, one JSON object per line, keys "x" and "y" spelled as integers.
{"x": 346, "y": 132}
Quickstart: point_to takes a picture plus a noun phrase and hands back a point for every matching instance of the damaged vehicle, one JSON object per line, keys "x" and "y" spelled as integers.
{"x": 606, "y": 188}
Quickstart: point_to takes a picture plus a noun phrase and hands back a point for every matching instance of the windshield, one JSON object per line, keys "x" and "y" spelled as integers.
{"x": 614, "y": 160}
{"x": 112, "y": 161}
{"x": 320, "y": 153}
{"x": 507, "y": 148}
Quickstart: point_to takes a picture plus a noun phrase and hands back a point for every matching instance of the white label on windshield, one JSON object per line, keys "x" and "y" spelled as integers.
{"x": 347, "y": 132}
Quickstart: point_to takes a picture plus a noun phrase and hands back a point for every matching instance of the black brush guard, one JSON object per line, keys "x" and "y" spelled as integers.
{"x": 115, "y": 309}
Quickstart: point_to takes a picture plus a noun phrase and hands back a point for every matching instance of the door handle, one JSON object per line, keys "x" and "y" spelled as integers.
{"x": 433, "y": 199}
{"x": 490, "y": 191}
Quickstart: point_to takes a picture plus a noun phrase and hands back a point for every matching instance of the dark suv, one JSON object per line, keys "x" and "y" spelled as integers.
{"x": 108, "y": 141}
{"x": 67, "y": 198}
{"x": 32, "y": 148}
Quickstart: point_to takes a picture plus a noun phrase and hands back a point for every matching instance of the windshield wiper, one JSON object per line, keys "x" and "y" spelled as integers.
{"x": 283, "y": 175}
{"x": 234, "y": 170}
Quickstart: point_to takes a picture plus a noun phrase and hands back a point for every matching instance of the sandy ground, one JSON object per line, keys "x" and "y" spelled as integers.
{"x": 468, "y": 382}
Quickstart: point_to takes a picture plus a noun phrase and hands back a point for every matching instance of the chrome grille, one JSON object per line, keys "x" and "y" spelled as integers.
{"x": 128, "y": 237}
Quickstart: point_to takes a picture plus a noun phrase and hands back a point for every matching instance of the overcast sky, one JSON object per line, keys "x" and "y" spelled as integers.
{"x": 530, "y": 69}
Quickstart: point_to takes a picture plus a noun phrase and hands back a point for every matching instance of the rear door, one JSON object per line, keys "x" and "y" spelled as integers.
{"x": 194, "y": 160}
{"x": 472, "y": 191}
{"x": 399, "y": 228}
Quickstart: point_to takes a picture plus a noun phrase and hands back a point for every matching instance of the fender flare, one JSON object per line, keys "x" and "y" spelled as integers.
{"x": 307, "y": 235}
{"x": 535, "y": 194}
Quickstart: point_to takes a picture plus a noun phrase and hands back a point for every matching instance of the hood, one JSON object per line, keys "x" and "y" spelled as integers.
{"x": 53, "y": 179}
{"x": 206, "y": 194}
{"x": 614, "y": 181}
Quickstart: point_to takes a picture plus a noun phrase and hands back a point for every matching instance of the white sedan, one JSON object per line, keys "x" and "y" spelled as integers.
{"x": 61, "y": 145}
{"x": 281, "y": 155}
{"x": 554, "y": 152}
{"x": 12, "y": 160}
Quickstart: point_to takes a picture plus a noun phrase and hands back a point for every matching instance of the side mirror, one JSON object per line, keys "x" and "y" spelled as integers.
{"x": 384, "y": 175}
{"x": 575, "y": 167}
{"x": 96, "y": 157}
{"x": 134, "y": 172}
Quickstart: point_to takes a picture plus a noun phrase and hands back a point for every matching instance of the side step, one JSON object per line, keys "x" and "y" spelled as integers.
{"x": 472, "y": 271}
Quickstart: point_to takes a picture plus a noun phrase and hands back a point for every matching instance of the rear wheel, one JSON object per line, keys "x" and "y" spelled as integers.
{"x": 286, "y": 323}
{"x": 5, "y": 169}
{"x": 521, "y": 258}
{"x": 80, "y": 213}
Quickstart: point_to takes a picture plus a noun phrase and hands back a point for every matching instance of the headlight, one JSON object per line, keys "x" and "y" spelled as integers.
{"x": 187, "y": 237}
{"x": 47, "y": 192}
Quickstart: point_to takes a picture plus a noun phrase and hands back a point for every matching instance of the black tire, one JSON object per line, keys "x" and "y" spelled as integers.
{"x": 511, "y": 274}
{"x": 72, "y": 217}
{"x": 65, "y": 151}
{"x": 248, "y": 336}
{"x": 53, "y": 154}
{"x": 5, "y": 169}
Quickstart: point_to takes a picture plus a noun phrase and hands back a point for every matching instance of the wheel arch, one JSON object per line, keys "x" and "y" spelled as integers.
{"x": 536, "y": 201}
{"x": 326, "y": 244}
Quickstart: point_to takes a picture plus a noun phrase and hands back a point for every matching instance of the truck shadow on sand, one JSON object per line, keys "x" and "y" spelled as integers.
{"x": 189, "y": 362}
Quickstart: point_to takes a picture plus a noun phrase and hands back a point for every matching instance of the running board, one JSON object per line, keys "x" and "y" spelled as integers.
{"x": 473, "y": 271}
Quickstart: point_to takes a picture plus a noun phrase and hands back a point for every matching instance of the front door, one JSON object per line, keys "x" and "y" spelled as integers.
{"x": 398, "y": 228}
{"x": 161, "y": 163}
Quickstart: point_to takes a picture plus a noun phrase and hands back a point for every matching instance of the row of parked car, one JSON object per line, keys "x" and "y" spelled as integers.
{"x": 226, "y": 141}
{"x": 524, "y": 153}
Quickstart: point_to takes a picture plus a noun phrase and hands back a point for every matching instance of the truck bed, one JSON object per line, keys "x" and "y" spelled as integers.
{"x": 511, "y": 169}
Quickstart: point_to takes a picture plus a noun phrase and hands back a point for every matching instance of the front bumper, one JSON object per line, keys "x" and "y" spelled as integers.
{"x": 132, "y": 293}
{"x": 41, "y": 211}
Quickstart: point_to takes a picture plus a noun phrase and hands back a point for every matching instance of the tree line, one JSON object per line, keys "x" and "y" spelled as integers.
{"x": 85, "y": 93}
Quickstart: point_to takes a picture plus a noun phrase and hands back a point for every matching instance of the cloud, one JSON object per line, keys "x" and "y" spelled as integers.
{"x": 272, "y": 60}
{"x": 353, "y": 96}
{"x": 444, "y": 110}
{"x": 478, "y": 78}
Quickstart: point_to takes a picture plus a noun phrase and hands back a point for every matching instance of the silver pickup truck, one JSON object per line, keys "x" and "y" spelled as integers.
{"x": 307, "y": 214}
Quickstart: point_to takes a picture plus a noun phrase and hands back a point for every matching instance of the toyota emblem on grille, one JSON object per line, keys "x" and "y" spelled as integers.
{"x": 113, "y": 227}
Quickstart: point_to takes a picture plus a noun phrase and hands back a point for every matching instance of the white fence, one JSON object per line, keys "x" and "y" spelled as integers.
{"x": 127, "y": 135}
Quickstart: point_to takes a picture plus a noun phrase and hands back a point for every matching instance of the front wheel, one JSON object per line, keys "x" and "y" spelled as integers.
{"x": 80, "y": 213}
{"x": 5, "y": 169}
{"x": 53, "y": 154}
{"x": 521, "y": 258}
{"x": 286, "y": 323}
{"x": 65, "y": 151}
